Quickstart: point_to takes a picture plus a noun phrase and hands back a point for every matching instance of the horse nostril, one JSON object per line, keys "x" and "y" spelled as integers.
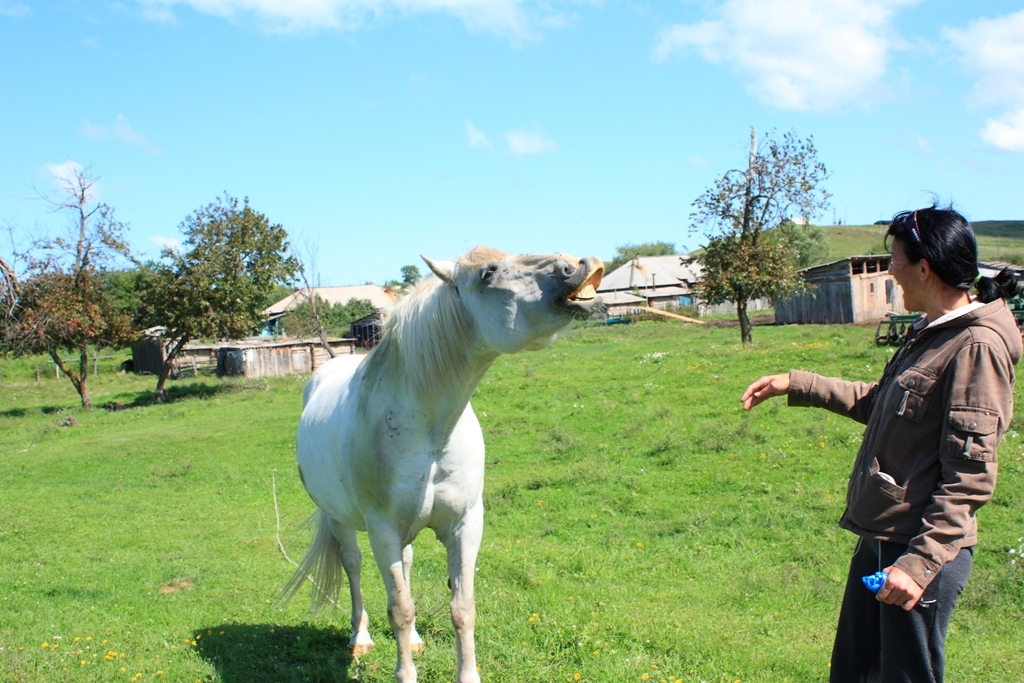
{"x": 567, "y": 270}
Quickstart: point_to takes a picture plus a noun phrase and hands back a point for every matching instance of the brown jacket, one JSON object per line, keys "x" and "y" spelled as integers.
{"x": 933, "y": 420}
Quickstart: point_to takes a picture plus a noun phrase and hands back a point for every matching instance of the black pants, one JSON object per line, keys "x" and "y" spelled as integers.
{"x": 880, "y": 643}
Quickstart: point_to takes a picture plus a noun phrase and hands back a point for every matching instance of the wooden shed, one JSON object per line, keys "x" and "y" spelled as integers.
{"x": 858, "y": 289}
{"x": 265, "y": 358}
{"x": 368, "y": 331}
{"x": 255, "y": 357}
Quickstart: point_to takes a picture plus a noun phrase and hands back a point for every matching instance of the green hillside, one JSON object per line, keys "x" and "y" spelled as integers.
{"x": 997, "y": 240}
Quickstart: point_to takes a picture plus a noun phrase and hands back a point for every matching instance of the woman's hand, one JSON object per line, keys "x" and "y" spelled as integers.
{"x": 899, "y": 589}
{"x": 764, "y": 388}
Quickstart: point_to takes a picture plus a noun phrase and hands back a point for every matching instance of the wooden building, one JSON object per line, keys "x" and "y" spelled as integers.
{"x": 255, "y": 357}
{"x": 663, "y": 282}
{"x": 858, "y": 289}
{"x": 265, "y": 358}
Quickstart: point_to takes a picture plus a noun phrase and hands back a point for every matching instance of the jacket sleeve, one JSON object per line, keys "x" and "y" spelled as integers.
{"x": 850, "y": 399}
{"x": 978, "y": 410}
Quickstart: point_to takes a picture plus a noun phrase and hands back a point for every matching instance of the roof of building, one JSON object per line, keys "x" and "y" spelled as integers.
{"x": 864, "y": 257}
{"x": 620, "y": 298}
{"x": 647, "y": 272}
{"x": 383, "y": 299}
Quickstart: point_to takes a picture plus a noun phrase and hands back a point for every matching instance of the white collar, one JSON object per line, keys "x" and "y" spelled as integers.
{"x": 956, "y": 313}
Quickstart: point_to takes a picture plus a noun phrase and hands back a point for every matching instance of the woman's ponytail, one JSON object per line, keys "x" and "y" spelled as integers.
{"x": 1003, "y": 286}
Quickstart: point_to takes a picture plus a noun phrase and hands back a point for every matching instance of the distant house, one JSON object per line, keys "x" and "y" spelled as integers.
{"x": 661, "y": 282}
{"x": 857, "y": 289}
{"x": 380, "y": 298}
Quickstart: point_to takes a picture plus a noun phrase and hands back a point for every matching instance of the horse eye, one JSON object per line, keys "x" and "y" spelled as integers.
{"x": 487, "y": 272}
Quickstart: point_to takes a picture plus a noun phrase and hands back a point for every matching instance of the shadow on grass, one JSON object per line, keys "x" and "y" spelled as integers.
{"x": 180, "y": 392}
{"x": 45, "y": 410}
{"x": 266, "y": 653}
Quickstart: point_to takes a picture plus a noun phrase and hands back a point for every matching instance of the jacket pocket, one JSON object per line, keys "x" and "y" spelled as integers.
{"x": 914, "y": 392}
{"x": 972, "y": 434}
{"x": 884, "y": 483}
{"x": 875, "y": 503}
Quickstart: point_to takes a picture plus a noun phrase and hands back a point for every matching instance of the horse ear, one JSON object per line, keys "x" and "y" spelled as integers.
{"x": 443, "y": 269}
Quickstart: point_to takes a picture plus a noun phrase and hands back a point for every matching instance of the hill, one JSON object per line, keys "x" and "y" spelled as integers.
{"x": 997, "y": 240}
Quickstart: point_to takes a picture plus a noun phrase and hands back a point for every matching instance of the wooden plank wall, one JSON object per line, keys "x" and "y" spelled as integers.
{"x": 274, "y": 361}
{"x": 824, "y": 303}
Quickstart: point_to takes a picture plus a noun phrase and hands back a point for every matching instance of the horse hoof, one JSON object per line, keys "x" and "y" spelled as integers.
{"x": 361, "y": 649}
{"x": 416, "y": 647}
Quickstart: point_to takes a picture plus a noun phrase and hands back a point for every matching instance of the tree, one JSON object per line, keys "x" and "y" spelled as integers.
{"x": 60, "y": 302}
{"x": 624, "y": 253}
{"x": 313, "y": 315}
{"x": 217, "y": 285}
{"x": 809, "y": 242}
{"x": 410, "y": 275}
{"x": 750, "y": 251}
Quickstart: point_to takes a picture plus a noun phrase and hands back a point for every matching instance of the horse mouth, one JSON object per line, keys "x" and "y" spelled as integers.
{"x": 583, "y": 299}
{"x": 588, "y": 292}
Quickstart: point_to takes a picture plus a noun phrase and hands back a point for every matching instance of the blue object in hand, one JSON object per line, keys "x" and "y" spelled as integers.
{"x": 875, "y": 581}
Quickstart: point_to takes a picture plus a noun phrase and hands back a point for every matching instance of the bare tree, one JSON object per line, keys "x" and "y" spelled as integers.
{"x": 310, "y": 295}
{"x": 61, "y": 304}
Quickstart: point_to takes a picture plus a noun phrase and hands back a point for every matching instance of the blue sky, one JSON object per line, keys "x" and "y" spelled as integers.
{"x": 377, "y": 130}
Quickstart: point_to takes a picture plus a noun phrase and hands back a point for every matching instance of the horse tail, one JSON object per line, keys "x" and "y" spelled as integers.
{"x": 322, "y": 566}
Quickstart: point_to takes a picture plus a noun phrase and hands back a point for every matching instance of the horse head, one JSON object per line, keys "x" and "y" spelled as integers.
{"x": 520, "y": 303}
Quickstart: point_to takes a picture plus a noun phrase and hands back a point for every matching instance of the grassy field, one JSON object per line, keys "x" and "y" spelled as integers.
{"x": 640, "y": 526}
{"x": 997, "y": 240}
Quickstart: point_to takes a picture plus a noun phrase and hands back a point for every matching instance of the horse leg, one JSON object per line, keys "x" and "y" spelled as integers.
{"x": 415, "y": 642}
{"x": 463, "y": 546}
{"x": 388, "y": 550}
{"x": 352, "y": 561}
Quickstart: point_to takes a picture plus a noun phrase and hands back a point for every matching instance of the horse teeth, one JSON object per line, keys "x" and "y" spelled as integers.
{"x": 585, "y": 294}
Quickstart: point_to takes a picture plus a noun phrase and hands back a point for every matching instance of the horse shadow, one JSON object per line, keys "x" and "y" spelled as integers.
{"x": 268, "y": 653}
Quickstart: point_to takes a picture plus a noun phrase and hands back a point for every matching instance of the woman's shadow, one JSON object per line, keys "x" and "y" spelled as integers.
{"x": 267, "y": 653}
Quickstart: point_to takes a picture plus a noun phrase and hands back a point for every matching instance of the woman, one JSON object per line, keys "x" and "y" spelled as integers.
{"x": 928, "y": 458}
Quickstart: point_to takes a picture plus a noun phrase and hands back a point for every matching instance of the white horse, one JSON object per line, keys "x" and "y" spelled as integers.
{"x": 390, "y": 445}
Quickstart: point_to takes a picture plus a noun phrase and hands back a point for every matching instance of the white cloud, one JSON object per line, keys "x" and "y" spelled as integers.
{"x": 522, "y": 142}
{"x": 64, "y": 171}
{"x": 503, "y": 17}
{"x": 1006, "y": 133}
{"x": 64, "y": 176}
{"x": 992, "y": 50}
{"x": 475, "y": 138}
{"x": 805, "y": 55}
{"x": 13, "y": 9}
{"x": 121, "y": 130}
{"x": 172, "y": 243}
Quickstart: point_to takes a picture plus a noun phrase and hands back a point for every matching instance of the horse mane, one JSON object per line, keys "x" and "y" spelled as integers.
{"x": 480, "y": 255}
{"x": 426, "y": 337}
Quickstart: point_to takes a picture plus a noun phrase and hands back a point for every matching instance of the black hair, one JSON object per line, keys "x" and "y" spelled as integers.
{"x": 946, "y": 240}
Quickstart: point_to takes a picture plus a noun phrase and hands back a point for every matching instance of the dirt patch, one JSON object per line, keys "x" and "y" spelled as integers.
{"x": 176, "y": 586}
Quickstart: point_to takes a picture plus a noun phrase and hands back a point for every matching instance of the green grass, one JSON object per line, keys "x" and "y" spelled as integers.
{"x": 637, "y": 518}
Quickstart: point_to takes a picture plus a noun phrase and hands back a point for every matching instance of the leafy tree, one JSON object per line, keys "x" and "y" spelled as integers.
{"x": 301, "y": 321}
{"x": 627, "y": 251}
{"x": 125, "y": 288}
{"x": 410, "y": 275}
{"x": 750, "y": 253}
{"x": 60, "y": 303}
{"x": 809, "y": 243}
{"x": 217, "y": 285}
